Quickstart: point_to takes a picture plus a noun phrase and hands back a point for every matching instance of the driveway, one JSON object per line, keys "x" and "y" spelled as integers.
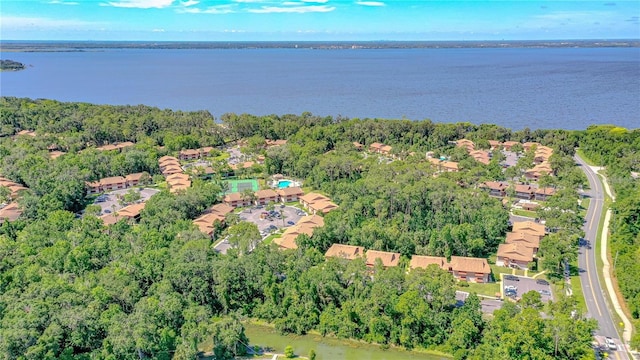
{"x": 234, "y": 155}
{"x": 524, "y": 285}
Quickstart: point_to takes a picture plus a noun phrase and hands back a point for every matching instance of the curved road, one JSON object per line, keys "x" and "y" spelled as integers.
{"x": 593, "y": 291}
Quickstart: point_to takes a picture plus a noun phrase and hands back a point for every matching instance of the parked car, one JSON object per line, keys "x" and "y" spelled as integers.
{"x": 510, "y": 287}
{"x": 107, "y": 211}
{"x": 512, "y": 278}
{"x": 542, "y": 282}
{"x": 290, "y": 223}
{"x": 545, "y": 292}
{"x": 282, "y": 206}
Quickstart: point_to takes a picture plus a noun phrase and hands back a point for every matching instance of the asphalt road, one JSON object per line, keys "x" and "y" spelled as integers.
{"x": 591, "y": 287}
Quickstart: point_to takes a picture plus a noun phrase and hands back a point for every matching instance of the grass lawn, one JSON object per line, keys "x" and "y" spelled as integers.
{"x": 497, "y": 270}
{"x": 488, "y": 289}
{"x": 584, "y": 205}
{"x": 527, "y": 213}
{"x": 576, "y": 287}
{"x": 269, "y": 239}
{"x": 223, "y": 156}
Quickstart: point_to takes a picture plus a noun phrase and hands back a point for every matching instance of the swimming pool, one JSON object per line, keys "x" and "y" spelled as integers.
{"x": 284, "y": 184}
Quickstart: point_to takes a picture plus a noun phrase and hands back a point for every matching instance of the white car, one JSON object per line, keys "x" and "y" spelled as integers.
{"x": 610, "y": 344}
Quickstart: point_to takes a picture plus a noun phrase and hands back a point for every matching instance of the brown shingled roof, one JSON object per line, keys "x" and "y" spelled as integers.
{"x": 421, "y": 261}
{"x": 348, "y": 252}
{"x": 470, "y": 265}
{"x": 388, "y": 258}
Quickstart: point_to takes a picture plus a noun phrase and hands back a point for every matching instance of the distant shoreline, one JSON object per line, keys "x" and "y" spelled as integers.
{"x": 79, "y": 46}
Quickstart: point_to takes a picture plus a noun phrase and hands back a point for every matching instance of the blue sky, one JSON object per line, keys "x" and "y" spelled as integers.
{"x": 242, "y": 20}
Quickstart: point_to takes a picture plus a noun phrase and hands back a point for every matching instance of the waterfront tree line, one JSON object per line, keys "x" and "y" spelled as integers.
{"x": 71, "y": 288}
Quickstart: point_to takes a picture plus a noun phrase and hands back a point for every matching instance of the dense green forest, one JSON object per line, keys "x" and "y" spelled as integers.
{"x": 71, "y": 288}
{"x": 10, "y": 65}
{"x": 618, "y": 150}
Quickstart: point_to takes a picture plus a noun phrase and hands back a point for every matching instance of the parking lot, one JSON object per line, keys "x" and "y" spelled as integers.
{"x": 516, "y": 286}
{"x": 110, "y": 202}
{"x": 511, "y": 159}
{"x": 269, "y": 223}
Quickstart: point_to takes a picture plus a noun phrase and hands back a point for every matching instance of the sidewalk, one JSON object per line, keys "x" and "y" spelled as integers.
{"x": 628, "y": 327}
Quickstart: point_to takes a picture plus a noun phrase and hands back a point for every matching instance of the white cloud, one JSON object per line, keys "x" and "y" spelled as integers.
{"x": 316, "y": 1}
{"x": 157, "y": 30}
{"x": 249, "y": 1}
{"x": 218, "y": 9}
{"x": 292, "y": 9}
{"x": 58, "y": 2}
{"x": 140, "y": 4}
{"x": 189, "y": 3}
{"x": 370, "y": 3}
{"x": 31, "y": 23}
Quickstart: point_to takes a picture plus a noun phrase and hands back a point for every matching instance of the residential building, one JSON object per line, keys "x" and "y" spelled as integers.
{"x": 449, "y": 166}
{"x": 375, "y": 147}
{"x": 542, "y": 154}
{"x": 524, "y": 191}
{"x": 178, "y": 181}
{"x": 496, "y": 188}
{"x": 538, "y": 171}
{"x": 315, "y": 220}
{"x": 236, "y": 200}
{"x": 543, "y": 194}
{"x": 309, "y": 198}
{"x": 133, "y": 179}
{"x": 508, "y": 144}
{"x": 466, "y": 144}
{"x": 289, "y": 194}
{"x": 14, "y": 187}
{"x": 358, "y": 146}
{"x": 514, "y": 255}
{"x": 348, "y": 252}
{"x": 421, "y": 261}
{"x": 462, "y": 268}
{"x": 385, "y": 150}
{"x": 205, "y": 151}
{"x": 529, "y": 227}
{"x": 116, "y": 146}
{"x": 481, "y": 156}
{"x": 388, "y": 259}
{"x": 11, "y": 212}
{"x": 495, "y": 144}
{"x": 528, "y": 145}
{"x": 305, "y": 225}
{"x": 189, "y": 154}
{"x": 525, "y": 239}
{"x": 206, "y": 222}
{"x": 470, "y": 269}
{"x": 113, "y": 183}
{"x": 322, "y": 206}
{"x": 263, "y": 197}
{"x": 131, "y": 212}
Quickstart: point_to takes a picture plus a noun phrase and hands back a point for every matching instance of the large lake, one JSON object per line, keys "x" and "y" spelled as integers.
{"x": 567, "y": 88}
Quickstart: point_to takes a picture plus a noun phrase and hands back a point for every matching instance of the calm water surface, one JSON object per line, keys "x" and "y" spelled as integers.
{"x": 537, "y": 88}
{"x": 328, "y": 349}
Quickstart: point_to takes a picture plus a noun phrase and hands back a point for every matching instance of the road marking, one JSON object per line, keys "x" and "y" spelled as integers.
{"x": 591, "y": 284}
{"x": 617, "y": 355}
{"x": 593, "y": 216}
